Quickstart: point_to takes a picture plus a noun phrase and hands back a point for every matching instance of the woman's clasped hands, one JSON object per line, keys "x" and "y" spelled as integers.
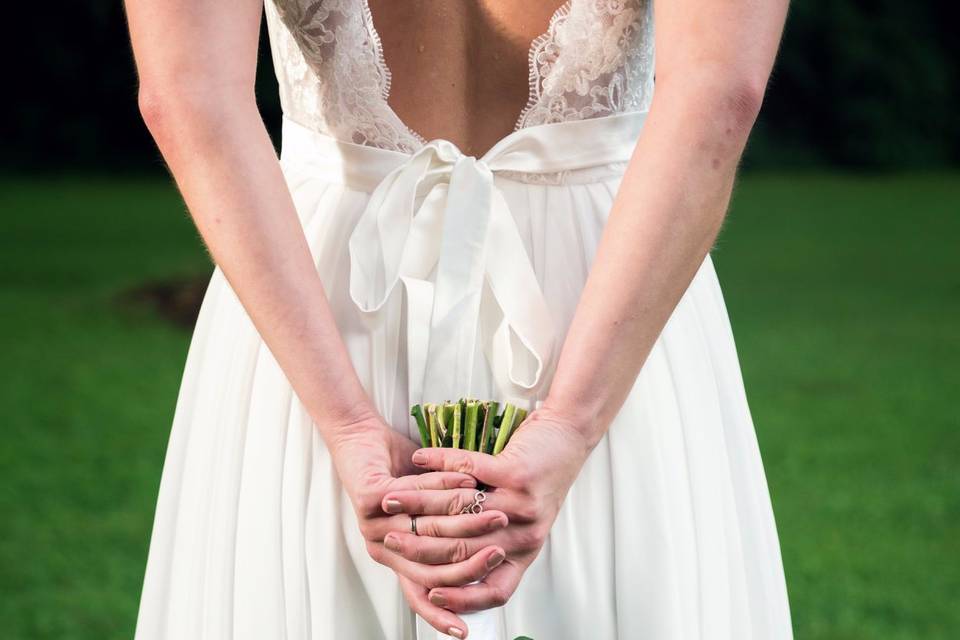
{"x": 410, "y": 504}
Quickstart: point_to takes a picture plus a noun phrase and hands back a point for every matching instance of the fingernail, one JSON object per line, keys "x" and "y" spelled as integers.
{"x": 419, "y": 457}
{"x": 495, "y": 559}
{"x": 394, "y": 506}
{"x": 469, "y": 483}
{"x": 455, "y": 632}
{"x": 392, "y": 542}
{"x": 498, "y": 523}
{"x": 438, "y": 599}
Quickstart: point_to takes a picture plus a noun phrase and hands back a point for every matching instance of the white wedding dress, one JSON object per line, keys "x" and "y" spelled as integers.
{"x": 451, "y": 275}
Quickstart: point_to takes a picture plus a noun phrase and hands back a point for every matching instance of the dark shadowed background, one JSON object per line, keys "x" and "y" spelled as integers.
{"x": 840, "y": 263}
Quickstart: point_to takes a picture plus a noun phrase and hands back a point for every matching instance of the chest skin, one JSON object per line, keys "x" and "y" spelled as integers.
{"x": 460, "y": 67}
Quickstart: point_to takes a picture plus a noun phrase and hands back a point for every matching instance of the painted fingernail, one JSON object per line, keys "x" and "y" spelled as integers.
{"x": 469, "y": 483}
{"x": 393, "y": 506}
{"x": 497, "y": 523}
{"x": 438, "y": 599}
{"x": 392, "y": 542}
{"x": 495, "y": 559}
{"x": 455, "y": 632}
{"x": 419, "y": 457}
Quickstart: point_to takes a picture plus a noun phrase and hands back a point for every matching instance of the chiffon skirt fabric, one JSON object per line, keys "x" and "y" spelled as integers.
{"x": 667, "y": 533}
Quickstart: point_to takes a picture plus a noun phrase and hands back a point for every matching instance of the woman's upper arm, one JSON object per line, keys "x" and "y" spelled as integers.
{"x": 194, "y": 48}
{"x": 731, "y": 42}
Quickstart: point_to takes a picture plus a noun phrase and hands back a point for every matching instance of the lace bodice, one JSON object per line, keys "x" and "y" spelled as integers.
{"x": 595, "y": 59}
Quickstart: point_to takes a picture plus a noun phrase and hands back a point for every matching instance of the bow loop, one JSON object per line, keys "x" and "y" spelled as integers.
{"x": 523, "y": 340}
{"x": 389, "y": 242}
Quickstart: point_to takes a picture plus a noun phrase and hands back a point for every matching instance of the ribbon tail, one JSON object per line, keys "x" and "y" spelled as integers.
{"x": 419, "y": 304}
{"x": 522, "y": 346}
{"x": 459, "y": 282}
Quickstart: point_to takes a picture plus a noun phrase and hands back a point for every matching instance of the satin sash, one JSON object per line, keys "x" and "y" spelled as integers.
{"x": 439, "y": 209}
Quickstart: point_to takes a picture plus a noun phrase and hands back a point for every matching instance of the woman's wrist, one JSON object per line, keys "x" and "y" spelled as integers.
{"x": 362, "y": 424}
{"x": 583, "y": 422}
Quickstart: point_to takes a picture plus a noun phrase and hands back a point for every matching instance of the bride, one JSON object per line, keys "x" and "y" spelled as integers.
{"x": 473, "y": 199}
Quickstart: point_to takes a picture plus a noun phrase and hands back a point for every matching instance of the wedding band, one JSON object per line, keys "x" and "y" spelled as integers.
{"x": 478, "y": 499}
{"x": 413, "y": 525}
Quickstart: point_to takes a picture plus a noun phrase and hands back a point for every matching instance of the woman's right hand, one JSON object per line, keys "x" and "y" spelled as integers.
{"x": 372, "y": 459}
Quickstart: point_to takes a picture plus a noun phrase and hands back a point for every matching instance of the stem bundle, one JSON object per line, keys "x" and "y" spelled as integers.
{"x": 468, "y": 423}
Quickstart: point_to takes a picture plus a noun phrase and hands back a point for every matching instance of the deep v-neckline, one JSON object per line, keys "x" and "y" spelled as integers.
{"x": 532, "y": 72}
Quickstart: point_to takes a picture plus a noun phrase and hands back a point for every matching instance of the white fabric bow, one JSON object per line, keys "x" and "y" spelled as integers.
{"x": 442, "y": 209}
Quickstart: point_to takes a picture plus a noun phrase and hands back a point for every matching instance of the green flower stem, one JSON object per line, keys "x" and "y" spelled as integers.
{"x": 481, "y": 418}
{"x": 506, "y": 427}
{"x": 455, "y": 428}
{"x": 446, "y": 421}
{"x": 417, "y": 413}
{"x": 433, "y": 426}
{"x": 521, "y": 416}
{"x": 489, "y": 423}
{"x": 470, "y": 427}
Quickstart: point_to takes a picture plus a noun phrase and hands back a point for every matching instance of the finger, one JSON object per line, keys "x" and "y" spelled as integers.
{"x": 517, "y": 540}
{"x": 484, "y": 467}
{"x": 432, "y": 480}
{"x": 428, "y": 550}
{"x": 439, "y": 618}
{"x": 441, "y": 575}
{"x": 493, "y": 591}
{"x": 465, "y": 525}
{"x": 447, "y": 502}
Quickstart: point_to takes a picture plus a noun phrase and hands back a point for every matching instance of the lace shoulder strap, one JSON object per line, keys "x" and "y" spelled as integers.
{"x": 330, "y": 69}
{"x": 595, "y": 59}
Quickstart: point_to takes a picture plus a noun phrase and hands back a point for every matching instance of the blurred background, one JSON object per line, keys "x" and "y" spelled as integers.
{"x": 840, "y": 263}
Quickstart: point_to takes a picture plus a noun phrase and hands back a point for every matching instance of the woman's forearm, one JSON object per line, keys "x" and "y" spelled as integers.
{"x": 196, "y": 62}
{"x": 663, "y": 221}
{"x": 713, "y": 61}
{"x": 225, "y": 166}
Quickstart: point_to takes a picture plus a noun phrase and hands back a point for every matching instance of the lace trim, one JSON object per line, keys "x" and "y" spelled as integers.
{"x": 533, "y": 75}
{"x": 329, "y": 75}
{"x": 377, "y": 51}
{"x": 586, "y": 175}
{"x": 382, "y": 66}
{"x": 533, "y": 71}
{"x": 595, "y": 58}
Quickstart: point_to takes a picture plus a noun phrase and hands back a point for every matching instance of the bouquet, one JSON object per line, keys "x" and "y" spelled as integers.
{"x": 467, "y": 424}
{"x": 473, "y": 425}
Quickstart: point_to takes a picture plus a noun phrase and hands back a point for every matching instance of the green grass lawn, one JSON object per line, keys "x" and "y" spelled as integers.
{"x": 844, "y": 292}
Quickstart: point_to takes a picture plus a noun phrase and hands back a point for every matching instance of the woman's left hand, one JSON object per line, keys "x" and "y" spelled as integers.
{"x": 528, "y": 481}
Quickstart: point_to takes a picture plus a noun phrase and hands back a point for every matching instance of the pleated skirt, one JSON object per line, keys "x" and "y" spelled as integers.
{"x": 667, "y": 533}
